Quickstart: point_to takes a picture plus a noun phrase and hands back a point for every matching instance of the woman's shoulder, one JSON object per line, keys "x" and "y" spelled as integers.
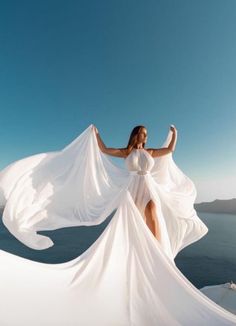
{"x": 149, "y": 150}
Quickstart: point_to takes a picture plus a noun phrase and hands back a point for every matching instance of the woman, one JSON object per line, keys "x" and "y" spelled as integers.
{"x": 137, "y": 140}
{"x": 127, "y": 277}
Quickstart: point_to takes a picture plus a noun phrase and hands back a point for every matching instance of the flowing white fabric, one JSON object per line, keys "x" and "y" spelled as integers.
{"x": 127, "y": 277}
{"x": 80, "y": 185}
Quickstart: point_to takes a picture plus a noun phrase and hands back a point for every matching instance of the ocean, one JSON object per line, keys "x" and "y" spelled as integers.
{"x": 209, "y": 261}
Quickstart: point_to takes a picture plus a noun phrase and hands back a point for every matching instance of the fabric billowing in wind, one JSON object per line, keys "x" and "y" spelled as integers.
{"x": 80, "y": 185}
{"x": 126, "y": 277}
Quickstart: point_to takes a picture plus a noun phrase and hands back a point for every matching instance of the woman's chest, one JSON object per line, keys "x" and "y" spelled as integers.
{"x": 139, "y": 159}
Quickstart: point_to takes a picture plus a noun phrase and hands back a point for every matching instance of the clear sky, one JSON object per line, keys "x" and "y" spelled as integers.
{"x": 117, "y": 64}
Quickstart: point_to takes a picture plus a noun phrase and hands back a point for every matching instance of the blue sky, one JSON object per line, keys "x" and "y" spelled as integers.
{"x": 117, "y": 64}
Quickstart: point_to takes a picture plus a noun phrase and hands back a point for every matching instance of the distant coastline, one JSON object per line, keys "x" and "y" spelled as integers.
{"x": 218, "y": 206}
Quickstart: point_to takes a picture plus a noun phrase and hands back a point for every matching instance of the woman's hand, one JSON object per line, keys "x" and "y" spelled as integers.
{"x": 172, "y": 143}
{"x": 172, "y": 128}
{"x": 95, "y": 129}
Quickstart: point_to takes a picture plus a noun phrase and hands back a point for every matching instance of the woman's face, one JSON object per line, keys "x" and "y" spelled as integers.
{"x": 142, "y": 135}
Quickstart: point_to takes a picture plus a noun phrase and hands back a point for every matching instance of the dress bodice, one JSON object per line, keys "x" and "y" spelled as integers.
{"x": 139, "y": 161}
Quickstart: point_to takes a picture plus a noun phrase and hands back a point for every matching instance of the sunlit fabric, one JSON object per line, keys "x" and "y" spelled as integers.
{"x": 126, "y": 277}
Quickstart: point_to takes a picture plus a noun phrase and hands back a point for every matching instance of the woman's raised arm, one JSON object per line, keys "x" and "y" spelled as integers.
{"x": 118, "y": 152}
{"x": 166, "y": 150}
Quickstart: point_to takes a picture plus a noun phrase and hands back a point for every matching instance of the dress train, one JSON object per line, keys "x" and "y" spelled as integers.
{"x": 126, "y": 277}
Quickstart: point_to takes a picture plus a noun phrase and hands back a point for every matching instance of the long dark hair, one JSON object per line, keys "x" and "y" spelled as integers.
{"x": 134, "y": 133}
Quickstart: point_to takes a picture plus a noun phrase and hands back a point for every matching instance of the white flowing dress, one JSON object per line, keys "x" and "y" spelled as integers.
{"x": 126, "y": 277}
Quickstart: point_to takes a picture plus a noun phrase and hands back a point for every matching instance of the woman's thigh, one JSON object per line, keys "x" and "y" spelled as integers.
{"x": 150, "y": 211}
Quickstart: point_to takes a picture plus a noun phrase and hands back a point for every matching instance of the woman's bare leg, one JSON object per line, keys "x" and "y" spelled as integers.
{"x": 151, "y": 219}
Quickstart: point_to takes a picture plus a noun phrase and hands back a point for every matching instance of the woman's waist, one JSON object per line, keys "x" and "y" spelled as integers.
{"x": 139, "y": 172}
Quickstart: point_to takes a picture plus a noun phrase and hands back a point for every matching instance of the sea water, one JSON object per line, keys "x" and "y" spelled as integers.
{"x": 211, "y": 260}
